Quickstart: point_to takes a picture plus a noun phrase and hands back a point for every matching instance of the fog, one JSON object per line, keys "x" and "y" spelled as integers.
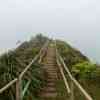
{"x": 75, "y": 21}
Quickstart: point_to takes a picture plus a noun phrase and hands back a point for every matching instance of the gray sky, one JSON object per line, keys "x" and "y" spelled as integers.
{"x": 76, "y": 21}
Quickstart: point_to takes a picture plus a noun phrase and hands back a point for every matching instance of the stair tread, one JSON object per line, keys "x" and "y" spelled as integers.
{"x": 50, "y": 95}
{"x": 50, "y": 67}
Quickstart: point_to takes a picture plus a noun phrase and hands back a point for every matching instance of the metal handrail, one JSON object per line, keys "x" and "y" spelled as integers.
{"x": 63, "y": 76}
{"x": 60, "y": 62}
{"x": 8, "y": 85}
{"x": 18, "y": 81}
{"x": 36, "y": 57}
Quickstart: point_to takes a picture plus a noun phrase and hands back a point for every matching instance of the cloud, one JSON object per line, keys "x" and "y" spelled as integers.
{"x": 76, "y": 21}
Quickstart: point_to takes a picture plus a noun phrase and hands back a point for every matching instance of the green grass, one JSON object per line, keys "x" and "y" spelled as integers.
{"x": 61, "y": 89}
{"x": 92, "y": 87}
{"x": 14, "y": 62}
{"x": 84, "y": 69}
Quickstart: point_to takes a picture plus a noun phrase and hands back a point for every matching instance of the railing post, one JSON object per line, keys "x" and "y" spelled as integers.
{"x": 18, "y": 89}
{"x": 40, "y": 59}
{"x": 72, "y": 91}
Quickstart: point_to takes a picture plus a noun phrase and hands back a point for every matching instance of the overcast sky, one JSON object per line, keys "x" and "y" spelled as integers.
{"x": 76, "y": 21}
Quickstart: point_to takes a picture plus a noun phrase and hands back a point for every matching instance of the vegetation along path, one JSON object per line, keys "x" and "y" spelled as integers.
{"x": 64, "y": 73}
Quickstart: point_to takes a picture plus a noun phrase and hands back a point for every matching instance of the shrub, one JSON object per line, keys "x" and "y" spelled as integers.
{"x": 84, "y": 69}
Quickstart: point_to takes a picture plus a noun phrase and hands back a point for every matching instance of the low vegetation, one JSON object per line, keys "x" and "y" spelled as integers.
{"x": 13, "y": 63}
{"x": 86, "y": 72}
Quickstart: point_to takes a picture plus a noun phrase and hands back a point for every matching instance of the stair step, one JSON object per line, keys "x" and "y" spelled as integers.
{"x": 49, "y": 89}
{"x": 50, "y": 84}
{"x": 51, "y": 80}
{"x": 50, "y": 66}
{"x": 50, "y": 63}
{"x": 52, "y": 76}
{"x": 51, "y": 72}
{"x": 49, "y": 95}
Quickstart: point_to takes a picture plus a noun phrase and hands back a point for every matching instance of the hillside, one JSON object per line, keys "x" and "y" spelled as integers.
{"x": 86, "y": 72}
{"x": 15, "y": 61}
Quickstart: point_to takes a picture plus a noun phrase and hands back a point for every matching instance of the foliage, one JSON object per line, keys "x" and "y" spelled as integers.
{"x": 69, "y": 54}
{"x": 87, "y": 73}
{"x": 84, "y": 69}
{"x": 13, "y": 63}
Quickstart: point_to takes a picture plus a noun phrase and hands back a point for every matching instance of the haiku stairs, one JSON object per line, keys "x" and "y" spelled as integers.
{"x": 55, "y": 69}
{"x": 51, "y": 69}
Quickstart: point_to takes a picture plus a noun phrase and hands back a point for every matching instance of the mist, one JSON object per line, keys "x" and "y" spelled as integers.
{"x": 75, "y": 21}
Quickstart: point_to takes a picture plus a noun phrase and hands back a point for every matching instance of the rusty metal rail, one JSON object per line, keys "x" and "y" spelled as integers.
{"x": 70, "y": 88}
{"x": 18, "y": 81}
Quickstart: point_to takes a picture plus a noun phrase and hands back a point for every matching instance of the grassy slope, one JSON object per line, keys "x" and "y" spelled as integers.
{"x": 13, "y": 63}
{"x": 73, "y": 57}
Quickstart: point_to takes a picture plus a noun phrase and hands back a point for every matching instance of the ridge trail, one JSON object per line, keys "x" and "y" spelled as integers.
{"x": 49, "y": 90}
